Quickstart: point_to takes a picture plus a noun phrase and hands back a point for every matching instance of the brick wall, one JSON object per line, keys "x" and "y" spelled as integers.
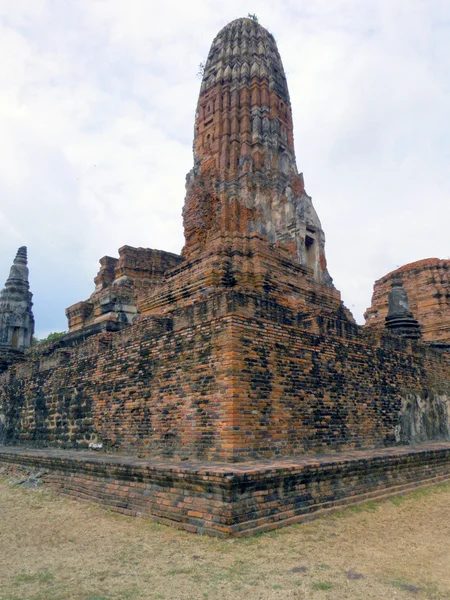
{"x": 331, "y": 387}
{"x": 233, "y": 377}
{"x": 145, "y": 389}
{"x": 224, "y": 500}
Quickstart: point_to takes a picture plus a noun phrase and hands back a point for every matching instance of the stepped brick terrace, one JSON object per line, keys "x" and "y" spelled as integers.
{"x": 226, "y": 500}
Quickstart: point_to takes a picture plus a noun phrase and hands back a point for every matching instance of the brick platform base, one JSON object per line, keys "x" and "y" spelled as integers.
{"x": 236, "y": 500}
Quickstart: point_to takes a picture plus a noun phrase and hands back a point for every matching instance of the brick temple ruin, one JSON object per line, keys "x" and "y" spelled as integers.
{"x": 229, "y": 390}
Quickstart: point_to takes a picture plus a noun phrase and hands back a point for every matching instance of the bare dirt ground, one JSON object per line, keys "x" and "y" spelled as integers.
{"x": 52, "y": 548}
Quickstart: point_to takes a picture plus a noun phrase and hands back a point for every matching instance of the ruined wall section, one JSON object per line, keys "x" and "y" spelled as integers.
{"x": 330, "y": 387}
{"x": 119, "y": 285}
{"x": 142, "y": 389}
{"x": 230, "y": 378}
{"x": 427, "y": 284}
{"x": 234, "y": 500}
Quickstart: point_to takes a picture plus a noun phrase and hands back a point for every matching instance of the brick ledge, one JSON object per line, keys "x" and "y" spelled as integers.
{"x": 242, "y": 499}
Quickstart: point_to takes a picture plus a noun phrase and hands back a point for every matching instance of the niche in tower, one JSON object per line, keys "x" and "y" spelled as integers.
{"x": 15, "y": 338}
{"x": 311, "y": 250}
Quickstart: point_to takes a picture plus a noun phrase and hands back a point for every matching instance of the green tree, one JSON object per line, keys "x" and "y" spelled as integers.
{"x": 51, "y": 336}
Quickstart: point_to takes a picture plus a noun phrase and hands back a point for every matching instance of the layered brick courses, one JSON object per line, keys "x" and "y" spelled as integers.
{"x": 247, "y": 263}
{"x": 143, "y": 389}
{"x": 232, "y": 377}
{"x": 240, "y": 500}
{"x": 427, "y": 284}
{"x": 245, "y": 177}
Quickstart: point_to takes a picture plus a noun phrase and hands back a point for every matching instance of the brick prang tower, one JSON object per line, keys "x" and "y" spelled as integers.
{"x": 245, "y": 177}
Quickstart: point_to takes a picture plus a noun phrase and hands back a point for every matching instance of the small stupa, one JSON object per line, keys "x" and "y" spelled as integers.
{"x": 400, "y": 319}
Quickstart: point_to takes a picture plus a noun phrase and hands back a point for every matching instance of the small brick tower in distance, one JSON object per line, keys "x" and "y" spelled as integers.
{"x": 400, "y": 320}
{"x": 245, "y": 177}
{"x": 16, "y": 316}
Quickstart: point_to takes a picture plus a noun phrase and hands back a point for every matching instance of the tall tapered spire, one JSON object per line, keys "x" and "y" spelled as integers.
{"x": 16, "y": 316}
{"x": 245, "y": 176}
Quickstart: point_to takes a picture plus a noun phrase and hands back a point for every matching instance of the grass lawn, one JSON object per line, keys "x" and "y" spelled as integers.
{"x": 52, "y": 548}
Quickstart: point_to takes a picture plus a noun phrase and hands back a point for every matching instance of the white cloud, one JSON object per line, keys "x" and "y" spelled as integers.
{"x": 97, "y": 107}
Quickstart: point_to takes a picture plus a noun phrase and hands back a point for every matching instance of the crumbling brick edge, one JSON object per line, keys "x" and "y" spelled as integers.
{"x": 236, "y": 500}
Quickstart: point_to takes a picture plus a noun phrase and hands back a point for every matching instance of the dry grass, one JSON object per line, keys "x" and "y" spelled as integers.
{"x": 57, "y": 549}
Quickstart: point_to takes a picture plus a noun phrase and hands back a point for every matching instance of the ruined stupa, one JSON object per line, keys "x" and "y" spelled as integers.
{"x": 16, "y": 316}
{"x": 245, "y": 177}
{"x": 249, "y": 224}
{"x": 427, "y": 285}
{"x": 400, "y": 319}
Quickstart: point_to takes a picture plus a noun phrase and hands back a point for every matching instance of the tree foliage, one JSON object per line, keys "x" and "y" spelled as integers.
{"x": 201, "y": 70}
{"x": 51, "y": 336}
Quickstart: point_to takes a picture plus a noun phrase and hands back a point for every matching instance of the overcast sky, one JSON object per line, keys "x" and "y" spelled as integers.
{"x": 97, "y": 103}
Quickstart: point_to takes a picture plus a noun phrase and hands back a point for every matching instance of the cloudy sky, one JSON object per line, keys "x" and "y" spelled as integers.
{"x": 97, "y": 102}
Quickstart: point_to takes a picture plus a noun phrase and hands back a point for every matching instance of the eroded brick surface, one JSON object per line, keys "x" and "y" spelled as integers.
{"x": 245, "y": 177}
{"x": 118, "y": 286}
{"x": 239, "y": 500}
{"x": 234, "y": 376}
{"x": 427, "y": 284}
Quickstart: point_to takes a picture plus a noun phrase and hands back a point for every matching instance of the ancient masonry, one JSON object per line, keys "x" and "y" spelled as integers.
{"x": 228, "y": 390}
{"x": 427, "y": 284}
{"x": 16, "y": 316}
